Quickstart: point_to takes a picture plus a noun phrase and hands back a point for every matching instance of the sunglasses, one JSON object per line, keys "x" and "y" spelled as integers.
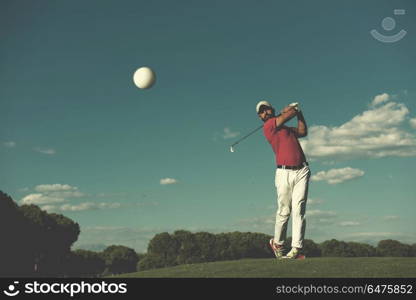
{"x": 263, "y": 108}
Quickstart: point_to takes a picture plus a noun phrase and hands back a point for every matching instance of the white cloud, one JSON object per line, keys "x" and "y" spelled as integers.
{"x": 54, "y": 187}
{"x": 68, "y": 194}
{"x": 164, "y": 181}
{"x": 57, "y": 197}
{"x": 9, "y": 144}
{"x": 104, "y": 205}
{"x": 317, "y": 216}
{"x": 314, "y": 201}
{"x": 413, "y": 122}
{"x": 105, "y": 228}
{"x": 316, "y": 213}
{"x": 38, "y": 199}
{"x": 380, "y": 99}
{"x": 391, "y": 218}
{"x": 112, "y": 195}
{"x": 45, "y": 151}
{"x": 372, "y": 234}
{"x": 335, "y": 176}
{"x": 375, "y": 133}
{"x": 261, "y": 222}
{"x": 51, "y": 194}
{"x": 349, "y": 223}
{"x": 81, "y": 206}
{"x": 229, "y": 134}
{"x": 59, "y": 190}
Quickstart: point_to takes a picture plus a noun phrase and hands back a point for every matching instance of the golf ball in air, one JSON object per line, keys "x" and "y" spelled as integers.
{"x": 144, "y": 78}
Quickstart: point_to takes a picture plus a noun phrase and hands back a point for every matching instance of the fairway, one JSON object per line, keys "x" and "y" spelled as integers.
{"x": 369, "y": 267}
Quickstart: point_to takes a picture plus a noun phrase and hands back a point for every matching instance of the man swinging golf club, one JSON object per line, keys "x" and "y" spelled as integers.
{"x": 292, "y": 174}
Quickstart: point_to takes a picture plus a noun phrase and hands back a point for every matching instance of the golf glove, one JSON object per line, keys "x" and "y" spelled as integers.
{"x": 295, "y": 105}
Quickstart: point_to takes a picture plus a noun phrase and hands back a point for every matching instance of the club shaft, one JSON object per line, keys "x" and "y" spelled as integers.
{"x": 247, "y": 135}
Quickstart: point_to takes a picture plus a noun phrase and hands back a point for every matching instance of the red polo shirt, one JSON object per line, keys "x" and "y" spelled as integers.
{"x": 284, "y": 143}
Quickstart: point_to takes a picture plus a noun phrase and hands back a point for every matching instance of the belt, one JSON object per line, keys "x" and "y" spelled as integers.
{"x": 304, "y": 164}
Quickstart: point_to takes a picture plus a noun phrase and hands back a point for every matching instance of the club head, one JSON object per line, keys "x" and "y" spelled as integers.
{"x": 231, "y": 149}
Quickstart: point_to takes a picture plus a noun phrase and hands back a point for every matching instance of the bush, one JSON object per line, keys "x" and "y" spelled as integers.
{"x": 165, "y": 247}
{"x": 413, "y": 250}
{"x": 120, "y": 259}
{"x": 38, "y": 245}
{"x": 362, "y": 250}
{"x": 85, "y": 263}
{"x": 188, "y": 250}
{"x": 336, "y": 249}
{"x": 151, "y": 261}
{"x": 311, "y": 249}
{"x": 206, "y": 240}
{"x": 393, "y": 248}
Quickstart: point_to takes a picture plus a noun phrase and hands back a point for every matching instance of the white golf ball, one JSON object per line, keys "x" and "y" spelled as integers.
{"x": 144, "y": 78}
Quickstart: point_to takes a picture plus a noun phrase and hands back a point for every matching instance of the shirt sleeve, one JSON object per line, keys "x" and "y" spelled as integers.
{"x": 270, "y": 125}
{"x": 293, "y": 130}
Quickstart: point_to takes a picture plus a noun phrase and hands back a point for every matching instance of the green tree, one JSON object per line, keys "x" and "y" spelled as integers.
{"x": 393, "y": 248}
{"x": 188, "y": 251}
{"x": 362, "y": 250}
{"x": 206, "y": 242}
{"x": 17, "y": 257}
{"x": 51, "y": 237}
{"x": 413, "y": 250}
{"x": 257, "y": 245}
{"x": 165, "y": 246}
{"x": 221, "y": 245}
{"x": 311, "y": 249}
{"x": 37, "y": 244}
{"x": 249, "y": 245}
{"x": 238, "y": 245}
{"x": 84, "y": 263}
{"x": 151, "y": 261}
{"x": 120, "y": 259}
{"x": 336, "y": 248}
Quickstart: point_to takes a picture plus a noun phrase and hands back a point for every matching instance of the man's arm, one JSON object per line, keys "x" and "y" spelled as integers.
{"x": 302, "y": 129}
{"x": 286, "y": 114}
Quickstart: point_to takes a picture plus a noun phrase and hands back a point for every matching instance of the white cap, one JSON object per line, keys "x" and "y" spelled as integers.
{"x": 263, "y": 102}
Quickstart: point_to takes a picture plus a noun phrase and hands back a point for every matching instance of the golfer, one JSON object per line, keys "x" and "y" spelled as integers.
{"x": 292, "y": 174}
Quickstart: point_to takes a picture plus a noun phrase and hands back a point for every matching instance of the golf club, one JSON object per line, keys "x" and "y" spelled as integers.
{"x": 232, "y": 146}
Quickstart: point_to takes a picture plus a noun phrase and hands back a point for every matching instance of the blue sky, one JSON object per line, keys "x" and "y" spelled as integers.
{"x": 78, "y": 138}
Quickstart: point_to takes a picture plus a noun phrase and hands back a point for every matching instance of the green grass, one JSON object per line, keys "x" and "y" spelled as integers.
{"x": 311, "y": 267}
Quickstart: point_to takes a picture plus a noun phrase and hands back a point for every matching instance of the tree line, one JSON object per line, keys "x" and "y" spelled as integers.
{"x": 184, "y": 247}
{"x": 37, "y": 243}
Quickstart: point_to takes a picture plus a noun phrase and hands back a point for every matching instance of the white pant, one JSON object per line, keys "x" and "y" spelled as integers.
{"x": 292, "y": 193}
